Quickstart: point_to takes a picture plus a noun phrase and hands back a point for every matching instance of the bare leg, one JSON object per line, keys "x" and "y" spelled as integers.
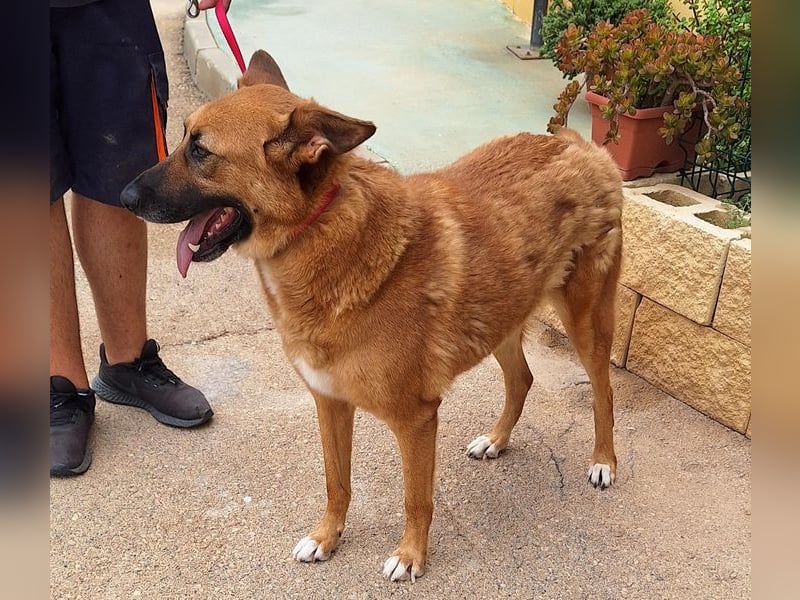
{"x": 112, "y": 247}
{"x": 417, "y": 439}
{"x": 518, "y": 381}
{"x": 336, "y": 431}
{"x": 66, "y": 357}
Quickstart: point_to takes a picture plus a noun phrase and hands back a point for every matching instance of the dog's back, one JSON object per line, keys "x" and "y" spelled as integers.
{"x": 558, "y": 193}
{"x": 511, "y": 218}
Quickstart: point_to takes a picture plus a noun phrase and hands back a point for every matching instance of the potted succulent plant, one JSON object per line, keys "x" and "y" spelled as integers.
{"x": 588, "y": 13}
{"x": 647, "y": 85}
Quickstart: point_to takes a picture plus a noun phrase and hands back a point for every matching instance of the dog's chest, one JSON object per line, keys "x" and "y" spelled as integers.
{"x": 268, "y": 281}
{"x": 319, "y": 380}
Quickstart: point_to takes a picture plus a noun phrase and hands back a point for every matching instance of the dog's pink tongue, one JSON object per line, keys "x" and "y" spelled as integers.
{"x": 191, "y": 235}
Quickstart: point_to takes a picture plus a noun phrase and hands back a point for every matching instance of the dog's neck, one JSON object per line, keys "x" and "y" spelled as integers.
{"x": 327, "y": 199}
{"x": 329, "y": 270}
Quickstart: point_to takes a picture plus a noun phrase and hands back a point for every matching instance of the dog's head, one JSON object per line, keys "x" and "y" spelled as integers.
{"x": 250, "y": 162}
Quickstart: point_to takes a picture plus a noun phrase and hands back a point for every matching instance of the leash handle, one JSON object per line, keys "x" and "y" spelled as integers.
{"x": 227, "y": 31}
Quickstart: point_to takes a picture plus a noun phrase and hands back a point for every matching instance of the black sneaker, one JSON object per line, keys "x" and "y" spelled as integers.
{"x": 71, "y": 416}
{"x": 148, "y": 384}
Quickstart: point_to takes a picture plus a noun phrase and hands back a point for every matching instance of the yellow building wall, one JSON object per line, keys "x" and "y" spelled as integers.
{"x": 523, "y": 9}
{"x": 680, "y": 8}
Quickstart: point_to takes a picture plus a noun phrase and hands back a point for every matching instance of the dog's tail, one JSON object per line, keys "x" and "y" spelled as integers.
{"x": 604, "y": 219}
{"x": 571, "y": 135}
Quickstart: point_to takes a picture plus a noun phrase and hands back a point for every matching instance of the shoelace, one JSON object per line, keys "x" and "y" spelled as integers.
{"x": 64, "y": 407}
{"x": 153, "y": 368}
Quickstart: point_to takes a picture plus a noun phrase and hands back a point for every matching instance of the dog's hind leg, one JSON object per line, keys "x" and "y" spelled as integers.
{"x": 518, "y": 380}
{"x": 336, "y": 430}
{"x": 585, "y": 305}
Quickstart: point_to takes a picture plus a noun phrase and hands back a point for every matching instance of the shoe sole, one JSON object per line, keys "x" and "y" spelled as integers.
{"x": 64, "y": 471}
{"x": 115, "y": 396}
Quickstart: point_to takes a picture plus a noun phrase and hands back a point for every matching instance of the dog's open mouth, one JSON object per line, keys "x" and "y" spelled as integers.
{"x": 209, "y": 234}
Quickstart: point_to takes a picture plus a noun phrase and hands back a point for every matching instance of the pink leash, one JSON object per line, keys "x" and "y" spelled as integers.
{"x": 193, "y": 10}
{"x": 227, "y": 31}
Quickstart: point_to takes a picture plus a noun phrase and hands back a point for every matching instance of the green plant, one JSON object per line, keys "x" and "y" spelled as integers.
{"x": 736, "y": 220}
{"x": 640, "y": 64}
{"x": 743, "y": 202}
{"x": 729, "y": 20}
{"x": 730, "y": 217}
{"x": 588, "y": 13}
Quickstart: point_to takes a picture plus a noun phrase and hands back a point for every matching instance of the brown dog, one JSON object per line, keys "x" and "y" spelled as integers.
{"x": 384, "y": 287}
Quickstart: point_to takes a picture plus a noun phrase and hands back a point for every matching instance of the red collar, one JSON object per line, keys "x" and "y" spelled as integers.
{"x": 323, "y": 206}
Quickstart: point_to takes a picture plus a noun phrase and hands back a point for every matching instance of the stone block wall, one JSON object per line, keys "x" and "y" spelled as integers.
{"x": 683, "y": 301}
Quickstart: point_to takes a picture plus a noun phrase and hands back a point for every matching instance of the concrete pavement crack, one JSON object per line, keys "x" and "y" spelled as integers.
{"x": 558, "y": 469}
{"x": 569, "y": 427}
{"x": 216, "y": 336}
{"x": 441, "y": 498}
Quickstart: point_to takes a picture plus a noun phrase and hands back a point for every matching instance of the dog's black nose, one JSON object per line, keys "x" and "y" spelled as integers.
{"x": 130, "y": 197}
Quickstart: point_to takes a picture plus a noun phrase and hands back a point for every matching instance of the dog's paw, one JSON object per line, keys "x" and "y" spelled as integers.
{"x": 601, "y": 475}
{"x": 482, "y": 447}
{"x": 395, "y": 569}
{"x": 309, "y": 550}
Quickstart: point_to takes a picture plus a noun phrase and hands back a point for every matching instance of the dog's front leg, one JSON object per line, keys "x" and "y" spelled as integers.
{"x": 336, "y": 429}
{"x": 416, "y": 435}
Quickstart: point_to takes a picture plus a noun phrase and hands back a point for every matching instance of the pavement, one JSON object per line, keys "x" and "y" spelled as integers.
{"x": 435, "y": 77}
{"x": 215, "y": 512}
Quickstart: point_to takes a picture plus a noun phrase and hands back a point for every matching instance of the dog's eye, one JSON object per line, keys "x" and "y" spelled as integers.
{"x": 199, "y": 152}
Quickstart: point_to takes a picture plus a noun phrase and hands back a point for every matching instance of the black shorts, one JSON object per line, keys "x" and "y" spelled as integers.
{"x": 108, "y": 98}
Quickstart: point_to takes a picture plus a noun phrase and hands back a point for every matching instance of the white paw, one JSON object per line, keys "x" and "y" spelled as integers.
{"x": 309, "y": 550}
{"x": 482, "y": 447}
{"x": 395, "y": 569}
{"x": 601, "y": 475}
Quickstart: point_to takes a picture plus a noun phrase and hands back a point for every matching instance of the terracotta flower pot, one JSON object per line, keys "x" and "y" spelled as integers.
{"x": 641, "y": 151}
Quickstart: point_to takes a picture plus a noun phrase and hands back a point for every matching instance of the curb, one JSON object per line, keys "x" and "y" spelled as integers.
{"x": 216, "y": 73}
{"x": 212, "y": 69}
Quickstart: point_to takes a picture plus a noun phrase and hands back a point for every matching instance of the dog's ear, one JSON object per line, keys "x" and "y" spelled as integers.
{"x": 317, "y": 129}
{"x": 262, "y": 69}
